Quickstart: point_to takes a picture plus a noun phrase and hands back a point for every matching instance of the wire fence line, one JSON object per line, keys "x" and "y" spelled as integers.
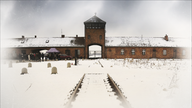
{"x": 95, "y": 53}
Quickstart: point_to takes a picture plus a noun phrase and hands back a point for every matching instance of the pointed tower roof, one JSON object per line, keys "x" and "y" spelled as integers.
{"x": 94, "y": 19}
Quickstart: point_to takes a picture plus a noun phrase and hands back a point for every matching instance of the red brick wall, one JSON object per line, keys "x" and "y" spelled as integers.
{"x": 94, "y": 39}
{"x": 72, "y": 51}
{"x": 115, "y": 52}
{"x": 180, "y": 51}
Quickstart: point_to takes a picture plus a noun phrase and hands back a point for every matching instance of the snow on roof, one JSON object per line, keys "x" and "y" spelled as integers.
{"x": 109, "y": 42}
{"x": 44, "y": 42}
{"x": 146, "y": 42}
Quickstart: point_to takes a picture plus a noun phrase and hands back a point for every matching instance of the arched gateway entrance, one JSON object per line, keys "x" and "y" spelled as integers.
{"x": 94, "y": 51}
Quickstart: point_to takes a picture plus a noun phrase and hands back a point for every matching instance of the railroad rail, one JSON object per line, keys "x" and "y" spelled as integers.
{"x": 118, "y": 92}
{"x": 124, "y": 103}
{"x": 72, "y": 98}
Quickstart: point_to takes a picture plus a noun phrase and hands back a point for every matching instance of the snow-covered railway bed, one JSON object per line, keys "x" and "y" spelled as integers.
{"x": 96, "y": 91}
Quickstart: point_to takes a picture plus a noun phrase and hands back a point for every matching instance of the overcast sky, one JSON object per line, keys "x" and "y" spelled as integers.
{"x": 47, "y": 18}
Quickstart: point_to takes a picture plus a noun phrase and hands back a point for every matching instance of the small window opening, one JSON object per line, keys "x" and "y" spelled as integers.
{"x": 78, "y": 52}
{"x": 67, "y": 52}
{"x": 100, "y": 37}
{"x": 143, "y": 52}
{"x": 133, "y": 52}
{"x": 164, "y": 52}
{"x": 122, "y": 51}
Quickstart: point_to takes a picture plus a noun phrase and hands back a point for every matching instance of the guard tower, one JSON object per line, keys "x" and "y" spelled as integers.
{"x": 94, "y": 34}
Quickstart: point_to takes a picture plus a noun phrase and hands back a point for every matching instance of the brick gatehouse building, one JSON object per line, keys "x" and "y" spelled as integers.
{"x": 111, "y": 47}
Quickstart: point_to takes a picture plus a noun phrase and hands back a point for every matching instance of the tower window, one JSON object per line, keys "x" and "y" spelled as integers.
{"x": 164, "y": 52}
{"x": 133, "y": 52}
{"x": 88, "y": 25}
{"x": 67, "y": 52}
{"x": 89, "y": 36}
{"x": 143, "y": 52}
{"x": 100, "y": 37}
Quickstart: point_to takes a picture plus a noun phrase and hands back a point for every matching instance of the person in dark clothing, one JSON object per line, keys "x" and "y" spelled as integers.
{"x": 39, "y": 56}
{"x": 52, "y": 56}
{"x": 58, "y": 56}
{"x": 34, "y": 55}
{"x": 46, "y": 56}
{"x": 42, "y": 57}
{"x": 49, "y": 56}
{"x": 20, "y": 58}
{"x": 31, "y": 57}
{"x": 55, "y": 57}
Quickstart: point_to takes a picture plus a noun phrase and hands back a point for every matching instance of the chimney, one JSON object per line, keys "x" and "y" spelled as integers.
{"x": 23, "y": 36}
{"x": 76, "y": 35}
{"x": 62, "y": 36}
{"x": 166, "y": 37}
{"x": 35, "y": 36}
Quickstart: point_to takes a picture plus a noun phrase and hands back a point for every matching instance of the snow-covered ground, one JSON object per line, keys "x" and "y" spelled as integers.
{"x": 147, "y": 83}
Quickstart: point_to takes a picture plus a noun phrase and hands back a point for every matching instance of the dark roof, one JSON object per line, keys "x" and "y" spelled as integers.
{"x": 94, "y": 19}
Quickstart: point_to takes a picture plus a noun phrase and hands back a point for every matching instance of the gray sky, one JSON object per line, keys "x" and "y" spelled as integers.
{"x": 46, "y": 18}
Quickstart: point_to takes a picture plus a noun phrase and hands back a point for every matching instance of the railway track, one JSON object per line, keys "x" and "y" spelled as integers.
{"x": 74, "y": 94}
{"x": 119, "y": 93}
{"x": 97, "y": 90}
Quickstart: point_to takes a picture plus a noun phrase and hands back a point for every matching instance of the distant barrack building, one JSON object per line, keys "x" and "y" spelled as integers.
{"x": 111, "y": 47}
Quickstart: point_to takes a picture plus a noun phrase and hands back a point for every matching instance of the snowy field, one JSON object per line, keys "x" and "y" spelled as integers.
{"x": 147, "y": 83}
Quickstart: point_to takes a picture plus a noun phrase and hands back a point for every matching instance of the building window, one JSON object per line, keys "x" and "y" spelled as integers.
{"x": 23, "y": 51}
{"x": 183, "y": 53}
{"x": 96, "y": 26}
{"x": 164, "y": 52}
{"x": 100, "y": 37}
{"x": 133, "y": 52}
{"x": 78, "y": 52}
{"x": 143, "y": 52}
{"x": 89, "y": 36}
{"x": 122, "y": 51}
{"x": 67, "y": 52}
